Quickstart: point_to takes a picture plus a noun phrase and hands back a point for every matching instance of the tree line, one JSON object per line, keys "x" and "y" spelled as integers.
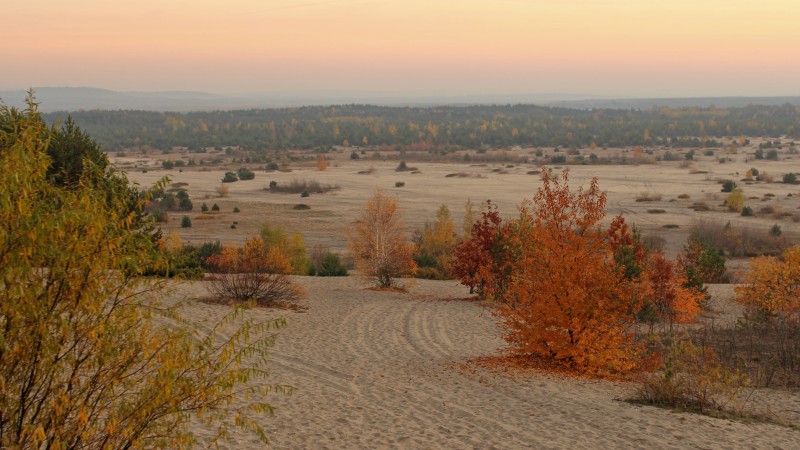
{"x": 439, "y": 128}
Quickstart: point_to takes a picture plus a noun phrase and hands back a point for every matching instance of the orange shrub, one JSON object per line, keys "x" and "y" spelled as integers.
{"x": 772, "y": 284}
{"x": 252, "y": 273}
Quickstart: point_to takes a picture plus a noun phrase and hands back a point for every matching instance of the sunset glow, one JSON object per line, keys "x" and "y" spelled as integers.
{"x": 593, "y": 47}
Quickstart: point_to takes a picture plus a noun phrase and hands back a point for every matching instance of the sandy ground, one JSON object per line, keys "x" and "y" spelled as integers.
{"x": 385, "y": 370}
{"x": 331, "y": 213}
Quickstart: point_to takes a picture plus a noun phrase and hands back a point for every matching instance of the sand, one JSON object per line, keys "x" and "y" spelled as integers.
{"x": 387, "y": 370}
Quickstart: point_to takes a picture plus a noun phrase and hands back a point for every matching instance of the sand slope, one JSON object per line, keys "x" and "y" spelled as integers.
{"x": 381, "y": 370}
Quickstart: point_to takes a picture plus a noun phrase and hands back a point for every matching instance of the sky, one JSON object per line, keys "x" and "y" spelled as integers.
{"x": 597, "y": 48}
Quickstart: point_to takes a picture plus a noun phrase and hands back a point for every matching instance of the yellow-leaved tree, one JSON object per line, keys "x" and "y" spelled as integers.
{"x": 379, "y": 242}
{"x": 89, "y": 355}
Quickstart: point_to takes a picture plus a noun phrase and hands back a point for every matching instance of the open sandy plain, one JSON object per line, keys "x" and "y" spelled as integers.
{"x": 392, "y": 370}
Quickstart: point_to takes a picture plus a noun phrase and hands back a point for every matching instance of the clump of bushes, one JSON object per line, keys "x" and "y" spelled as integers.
{"x": 186, "y": 222}
{"x": 300, "y": 186}
{"x": 245, "y": 174}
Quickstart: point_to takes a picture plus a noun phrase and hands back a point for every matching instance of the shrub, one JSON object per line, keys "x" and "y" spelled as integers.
{"x": 435, "y": 245}
{"x": 204, "y": 207}
{"x": 775, "y": 230}
{"x": 236, "y": 209}
{"x": 728, "y": 186}
{"x": 747, "y": 211}
{"x": 299, "y": 186}
{"x": 790, "y": 178}
{"x": 692, "y": 378}
{"x": 184, "y": 202}
{"x": 330, "y": 266}
{"x": 230, "y": 177}
{"x": 272, "y": 166}
{"x": 399, "y": 183}
{"x": 222, "y": 190}
{"x": 292, "y": 248}
{"x": 245, "y": 174}
{"x": 304, "y": 194}
{"x": 402, "y": 167}
{"x": 354, "y": 155}
{"x": 186, "y": 222}
{"x": 251, "y": 273}
{"x": 772, "y": 154}
{"x": 169, "y": 165}
{"x": 215, "y": 207}
{"x": 558, "y": 159}
{"x": 735, "y": 201}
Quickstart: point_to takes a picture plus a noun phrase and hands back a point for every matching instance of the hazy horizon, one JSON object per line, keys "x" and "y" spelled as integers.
{"x": 600, "y": 49}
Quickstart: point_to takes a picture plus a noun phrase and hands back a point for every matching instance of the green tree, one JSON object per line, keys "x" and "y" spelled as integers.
{"x": 70, "y": 149}
{"x": 84, "y": 363}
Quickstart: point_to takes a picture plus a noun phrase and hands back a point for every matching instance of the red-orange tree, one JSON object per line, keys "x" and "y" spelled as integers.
{"x": 566, "y": 299}
{"x": 476, "y": 259}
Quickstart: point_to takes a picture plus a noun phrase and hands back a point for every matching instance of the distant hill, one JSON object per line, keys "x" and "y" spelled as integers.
{"x": 689, "y": 102}
{"x": 87, "y": 98}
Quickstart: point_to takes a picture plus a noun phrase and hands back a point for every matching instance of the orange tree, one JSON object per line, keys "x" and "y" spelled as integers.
{"x": 379, "y": 242}
{"x": 773, "y": 284}
{"x": 565, "y": 298}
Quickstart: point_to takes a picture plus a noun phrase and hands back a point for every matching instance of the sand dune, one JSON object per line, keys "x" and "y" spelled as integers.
{"x": 384, "y": 370}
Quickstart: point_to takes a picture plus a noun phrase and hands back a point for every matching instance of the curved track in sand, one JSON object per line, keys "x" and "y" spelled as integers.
{"x": 380, "y": 370}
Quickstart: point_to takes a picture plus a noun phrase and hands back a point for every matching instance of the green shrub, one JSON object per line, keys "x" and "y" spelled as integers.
{"x": 236, "y": 209}
{"x": 245, "y": 174}
{"x": 775, "y": 230}
{"x": 728, "y": 186}
{"x": 204, "y": 207}
{"x": 331, "y": 266}
{"x": 399, "y": 183}
{"x": 186, "y": 222}
{"x": 747, "y": 211}
{"x": 215, "y": 207}
{"x": 230, "y": 177}
{"x": 790, "y": 178}
{"x": 305, "y": 194}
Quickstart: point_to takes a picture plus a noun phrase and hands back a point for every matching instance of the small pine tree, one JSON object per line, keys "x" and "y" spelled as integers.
{"x": 186, "y": 222}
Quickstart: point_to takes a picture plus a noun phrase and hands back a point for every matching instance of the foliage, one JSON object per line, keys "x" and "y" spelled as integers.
{"x": 230, "y": 177}
{"x": 775, "y": 230}
{"x": 747, "y": 211}
{"x": 790, "y": 178}
{"x": 69, "y": 150}
{"x": 330, "y": 265}
{"x": 735, "y": 201}
{"x": 186, "y": 222}
{"x": 236, "y": 209}
{"x": 436, "y": 244}
{"x": 299, "y": 186}
{"x": 245, "y": 174}
{"x": 565, "y": 299}
{"x": 477, "y": 259}
{"x": 692, "y": 378}
{"x": 771, "y": 284}
{"x": 672, "y": 297}
{"x": 379, "y": 243}
{"x": 292, "y": 248}
{"x": 700, "y": 263}
{"x": 728, "y": 186}
{"x": 87, "y": 359}
{"x": 263, "y": 131}
{"x": 215, "y": 207}
{"x": 252, "y": 273}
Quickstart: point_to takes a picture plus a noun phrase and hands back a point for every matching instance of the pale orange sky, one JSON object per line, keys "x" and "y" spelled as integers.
{"x": 443, "y": 47}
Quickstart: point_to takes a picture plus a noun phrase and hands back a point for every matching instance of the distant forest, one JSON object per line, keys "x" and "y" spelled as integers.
{"x": 440, "y": 128}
